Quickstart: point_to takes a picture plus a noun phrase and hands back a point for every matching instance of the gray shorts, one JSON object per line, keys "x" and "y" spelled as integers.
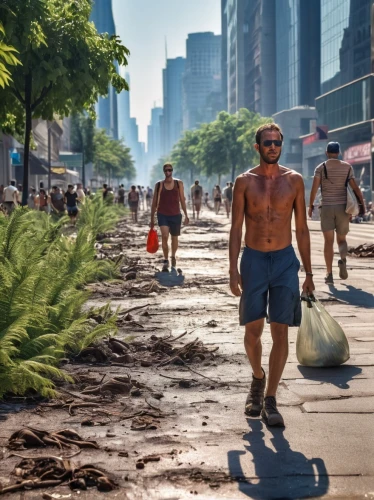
{"x": 335, "y": 217}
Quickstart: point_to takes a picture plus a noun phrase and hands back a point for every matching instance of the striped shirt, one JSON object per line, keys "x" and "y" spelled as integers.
{"x": 333, "y": 188}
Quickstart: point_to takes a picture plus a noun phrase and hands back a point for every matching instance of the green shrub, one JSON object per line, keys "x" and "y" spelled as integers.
{"x": 42, "y": 292}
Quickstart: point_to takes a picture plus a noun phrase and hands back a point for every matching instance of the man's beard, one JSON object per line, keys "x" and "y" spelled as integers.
{"x": 268, "y": 160}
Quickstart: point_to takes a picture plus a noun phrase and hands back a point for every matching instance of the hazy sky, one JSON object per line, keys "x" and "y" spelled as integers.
{"x": 143, "y": 26}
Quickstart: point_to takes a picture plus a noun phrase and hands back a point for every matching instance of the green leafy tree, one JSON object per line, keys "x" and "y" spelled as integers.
{"x": 212, "y": 150}
{"x": 157, "y": 171}
{"x": 82, "y": 136}
{"x": 226, "y": 144}
{"x": 7, "y": 53}
{"x": 184, "y": 154}
{"x": 66, "y": 64}
{"x": 111, "y": 157}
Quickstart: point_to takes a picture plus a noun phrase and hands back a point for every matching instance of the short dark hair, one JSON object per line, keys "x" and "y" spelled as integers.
{"x": 133, "y": 187}
{"x": 70, "y": 186}
{"x": 12, "y": 183}
{"x": 54, "y": 187}
{"x": 105, "y": 186}
{"x": 273, "y": 127}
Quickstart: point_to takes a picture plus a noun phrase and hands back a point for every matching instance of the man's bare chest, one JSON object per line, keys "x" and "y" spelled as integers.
{"x": 271, "y": 196}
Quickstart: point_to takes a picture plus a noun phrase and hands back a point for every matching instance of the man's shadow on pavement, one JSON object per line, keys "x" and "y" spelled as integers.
{"x": 282, "y": 474}
{"x": 172, "y": 278}
{"x": 337, "y": 375}
{"x": 353, "y": 296}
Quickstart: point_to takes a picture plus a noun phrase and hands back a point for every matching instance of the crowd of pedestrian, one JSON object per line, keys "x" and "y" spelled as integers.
{"x": 57, "y": 201}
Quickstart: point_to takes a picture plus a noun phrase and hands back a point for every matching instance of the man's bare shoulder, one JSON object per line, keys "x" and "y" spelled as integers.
{"x": 294, "y": 176}
{"x": 245, "y": 176}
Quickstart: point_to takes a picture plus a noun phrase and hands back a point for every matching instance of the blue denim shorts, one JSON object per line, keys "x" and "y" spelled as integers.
{"x": 173, "y": 222}
{"x": 270, "y": 286}
{"x": 72, "y": 211}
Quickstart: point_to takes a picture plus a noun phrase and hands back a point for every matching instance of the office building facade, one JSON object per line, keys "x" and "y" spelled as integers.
{"x": 298, "y": 62}
{"x": 224, "y": 45}
{"x": 345, "y": 42}
{"x": 154, "y": 137}
{"x": 346, "y": 105}
{"x": 202, "y": 97}
{"x": 235, "y": 55}
{"x": 259, "y": 56}
{"x": 106, "y": 108}
{"x": 172, "y": 123}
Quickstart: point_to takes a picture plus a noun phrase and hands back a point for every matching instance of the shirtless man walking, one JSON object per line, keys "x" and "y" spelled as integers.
{"x": 268, "y": 283}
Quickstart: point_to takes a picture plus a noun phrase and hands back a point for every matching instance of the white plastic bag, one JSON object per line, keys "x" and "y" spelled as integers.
{"x": 320, "y": 341}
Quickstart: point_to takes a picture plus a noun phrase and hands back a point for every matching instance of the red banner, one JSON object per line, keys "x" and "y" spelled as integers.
{"x": 360, "y": 153}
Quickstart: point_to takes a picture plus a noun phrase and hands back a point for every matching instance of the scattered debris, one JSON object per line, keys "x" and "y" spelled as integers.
{"x": 31, "y": 438}
{"x": 365, "y": 250}
{"x": 45, "y": 472}
{"x": 213, "y": 323}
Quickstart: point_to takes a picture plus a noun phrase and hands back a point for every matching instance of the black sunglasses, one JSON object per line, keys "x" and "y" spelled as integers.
{"x": 168, "y": 170}
{"x": 276, "y": 143}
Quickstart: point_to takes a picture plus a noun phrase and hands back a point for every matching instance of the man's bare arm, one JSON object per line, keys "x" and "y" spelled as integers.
{"x": 302, "y": 233}
{"x": 313, "y": 194}
{"x": 358, "y": 193}
{"x": 183, "y": 199}
{"x": 238, "y": 207}
{"x": 156, "y": 195}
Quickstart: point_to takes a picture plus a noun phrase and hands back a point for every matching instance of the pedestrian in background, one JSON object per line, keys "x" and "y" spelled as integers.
{"x": 43, "y": 200}
{"x": 20, "y": 189}
{"x": 196, "y": 198}
{"x": 121, "y": 195}
{"x": 227, "y": 197}
{"x": 57, "y": 201}
{"x": 105, "y": 191}
{"x": 31, "y": 198}
{"x": 332, "y": 177}
{"x": 70, "y": 199}
{"x": 10, "y": 197}
{"x": 217, "y": 198}
{"x": 80, "y": 193}
{"x": 134, "y": 203}
{"x": 149, "y": 197}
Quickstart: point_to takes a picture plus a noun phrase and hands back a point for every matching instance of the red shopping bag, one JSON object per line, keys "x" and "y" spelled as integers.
{"x": 152, "y": 241}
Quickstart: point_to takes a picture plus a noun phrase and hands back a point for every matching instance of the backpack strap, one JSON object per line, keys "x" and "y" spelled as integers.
{"x": 158, "y": 193}
{"x": 347, "y": 179}
{"x": 325, "y": 170}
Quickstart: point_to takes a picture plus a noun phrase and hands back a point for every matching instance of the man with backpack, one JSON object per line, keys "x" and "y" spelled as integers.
{"x": 168, "y": 197}
{"x": 333, "y": 177}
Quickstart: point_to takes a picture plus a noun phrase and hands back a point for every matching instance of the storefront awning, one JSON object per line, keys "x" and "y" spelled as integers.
{"x": 359, "y": 153}
{"x": 37, "y": 165}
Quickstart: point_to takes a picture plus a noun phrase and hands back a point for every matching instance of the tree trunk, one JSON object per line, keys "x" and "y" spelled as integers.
{"x": 219, "y": 180}
{"x": 233, "y": 170}
{"x": 28, "y": 126}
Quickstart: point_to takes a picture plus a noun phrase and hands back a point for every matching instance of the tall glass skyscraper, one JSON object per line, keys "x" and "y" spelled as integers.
{"x": 106, "y": 109}
{"x": 345, "y": 42}
{"x": 202, "y": 79}
{"x": 298, "y": 52}
{"x": 172, "y": 123}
